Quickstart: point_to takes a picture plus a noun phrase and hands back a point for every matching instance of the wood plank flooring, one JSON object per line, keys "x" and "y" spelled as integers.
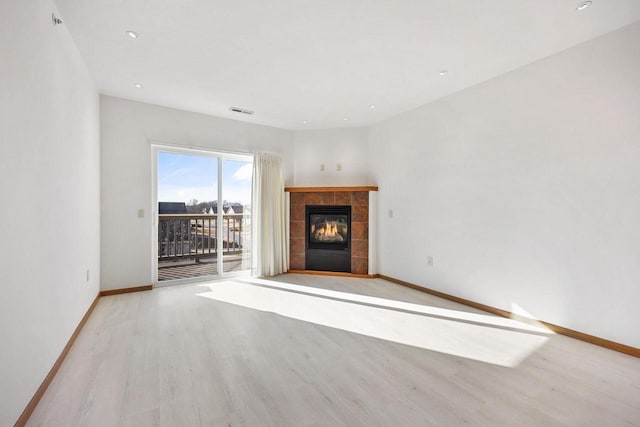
{"x": 303, "y": 350}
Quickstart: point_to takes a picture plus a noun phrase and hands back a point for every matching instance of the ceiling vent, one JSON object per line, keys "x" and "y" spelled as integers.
{"x": 241, "y": 110}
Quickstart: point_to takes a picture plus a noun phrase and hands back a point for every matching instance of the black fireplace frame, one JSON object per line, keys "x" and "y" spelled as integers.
{"x": 327, "y": 256}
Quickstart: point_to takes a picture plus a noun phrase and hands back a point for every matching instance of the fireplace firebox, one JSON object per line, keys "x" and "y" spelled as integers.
{"x": 328, "y": 238}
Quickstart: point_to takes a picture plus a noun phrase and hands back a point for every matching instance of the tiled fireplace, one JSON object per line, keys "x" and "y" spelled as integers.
{"x": 357, "y": 198}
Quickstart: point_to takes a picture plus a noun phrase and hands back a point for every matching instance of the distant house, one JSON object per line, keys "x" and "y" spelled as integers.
{"x": 172, "y": 208}
{"x": 231, "y": 209}
{"x": 234, "y": 208}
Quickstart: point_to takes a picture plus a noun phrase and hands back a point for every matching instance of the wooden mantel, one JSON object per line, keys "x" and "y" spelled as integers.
{"x": 328, "y": 189}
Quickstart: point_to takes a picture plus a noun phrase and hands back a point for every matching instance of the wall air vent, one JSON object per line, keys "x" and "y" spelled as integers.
{"x": 241, "y": 110}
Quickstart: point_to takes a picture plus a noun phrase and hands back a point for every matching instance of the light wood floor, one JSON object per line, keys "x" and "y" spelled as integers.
{"x": 322, "y": 351}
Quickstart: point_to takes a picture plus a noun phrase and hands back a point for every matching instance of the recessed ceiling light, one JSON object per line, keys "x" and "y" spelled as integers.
{"x": 372, "y": 106}
{"x": 138, "y": 85}
{"x": 443, "y": 72}
{"x": 133, "y": 34}
{"x": 305, "y": 122}
{"x": 346, "y": 118}
{"x": 583, "y": 5}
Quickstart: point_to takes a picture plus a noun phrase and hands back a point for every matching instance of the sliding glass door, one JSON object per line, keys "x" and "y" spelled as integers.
{"x": 236, "y": 204}
{"x": 203, "y": 220}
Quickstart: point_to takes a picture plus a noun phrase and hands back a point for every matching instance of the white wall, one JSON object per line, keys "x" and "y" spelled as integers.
{"x": 49, "y": 192}
{"x": 525, "y": 190}
{"x": 330, "y": 147}
{"x": 127, "y": 130}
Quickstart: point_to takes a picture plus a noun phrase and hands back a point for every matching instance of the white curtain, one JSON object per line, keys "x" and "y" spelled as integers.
{"x": 270, "y": 246}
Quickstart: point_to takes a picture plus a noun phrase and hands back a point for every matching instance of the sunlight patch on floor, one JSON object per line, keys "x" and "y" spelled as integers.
{"x": 480, "y": 337}
{"x": 522, "y": 315}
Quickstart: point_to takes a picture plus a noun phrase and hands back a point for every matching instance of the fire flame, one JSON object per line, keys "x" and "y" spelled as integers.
{"x": 327, "y": 231}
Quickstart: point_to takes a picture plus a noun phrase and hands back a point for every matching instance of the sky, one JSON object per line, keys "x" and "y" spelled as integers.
{"x": 184, "y": 177}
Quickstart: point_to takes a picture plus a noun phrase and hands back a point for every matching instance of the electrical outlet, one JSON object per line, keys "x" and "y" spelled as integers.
{"x": 339, "y": 167}
{"x": 322, "y": 167}
{"x": 140, "y": 213}
{"x": 390, "y": 213}
{"x": 430, "y": 260}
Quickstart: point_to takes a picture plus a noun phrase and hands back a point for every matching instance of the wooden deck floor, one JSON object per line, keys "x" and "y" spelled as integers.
{"x": 171, "y": 270}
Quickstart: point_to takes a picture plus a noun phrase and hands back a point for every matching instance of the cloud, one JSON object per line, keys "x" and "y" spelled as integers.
{"x": 244, "y": 173}
{"x": 175, "y": 193}
{"x": 231, "y": 193}
{"x": 180, "y": 172}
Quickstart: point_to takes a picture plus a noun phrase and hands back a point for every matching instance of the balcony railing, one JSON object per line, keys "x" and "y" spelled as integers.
{"x": 194, "y": 236}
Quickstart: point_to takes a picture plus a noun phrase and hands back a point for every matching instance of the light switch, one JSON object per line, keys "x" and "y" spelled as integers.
{"x": 140, "y": 213}
{"x": 339, "y": 167}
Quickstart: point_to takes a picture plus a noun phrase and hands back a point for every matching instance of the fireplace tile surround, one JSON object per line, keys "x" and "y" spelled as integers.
{"x": 356, "y": 197}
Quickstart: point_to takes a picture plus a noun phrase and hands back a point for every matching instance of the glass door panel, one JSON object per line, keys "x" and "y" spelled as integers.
{"x": 236, "y": 178}
{"x": 187, "y": 194}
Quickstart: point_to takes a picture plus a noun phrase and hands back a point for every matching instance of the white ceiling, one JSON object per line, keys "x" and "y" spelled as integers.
{"x": 320, "y": 61}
